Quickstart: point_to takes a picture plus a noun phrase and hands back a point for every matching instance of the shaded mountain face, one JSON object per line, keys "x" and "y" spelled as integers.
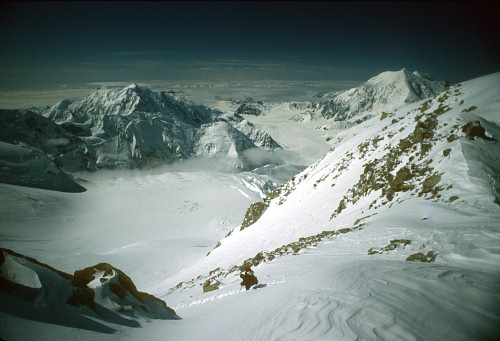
{"x": 37, "y": 291}
{"x": 250, "y": 107}
{"x": 32, "y": 149}
{"x": 386, "y": 91}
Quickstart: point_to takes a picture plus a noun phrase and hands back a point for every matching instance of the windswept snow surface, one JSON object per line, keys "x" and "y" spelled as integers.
{"x": 135, "y": 221}
{"x": 412, "y": 183}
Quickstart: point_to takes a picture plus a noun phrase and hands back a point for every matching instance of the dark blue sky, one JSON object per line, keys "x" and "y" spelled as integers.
{"x": 52, "y": 42}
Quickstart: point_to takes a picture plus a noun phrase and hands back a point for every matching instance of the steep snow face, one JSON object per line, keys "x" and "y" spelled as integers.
{"x": 387, "y": 91}
{"x": 420, "y": 186}
{"x": 27, "y": 166}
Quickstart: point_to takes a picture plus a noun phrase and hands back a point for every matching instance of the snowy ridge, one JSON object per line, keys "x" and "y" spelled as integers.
{"x": 389, "y": 164}
{"x": 337, "y": 116}
{"x": 389, "y": 90}
{"x": 414, "y": 188}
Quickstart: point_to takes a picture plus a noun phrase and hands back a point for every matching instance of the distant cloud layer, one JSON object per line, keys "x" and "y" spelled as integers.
{"x": 46, "y": 42}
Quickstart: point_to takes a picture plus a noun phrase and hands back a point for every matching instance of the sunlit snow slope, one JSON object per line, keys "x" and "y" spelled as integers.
{"x": 392, "y": 235}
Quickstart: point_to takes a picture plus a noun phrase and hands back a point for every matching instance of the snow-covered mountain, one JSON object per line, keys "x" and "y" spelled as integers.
{"x": 387, "y": 91}
{"x": 340, "y": 115}
{"x": 421, "y": 185}
{"x": 127, "y": 128}
{"x": 134, "y": 126}
{"x": 411, "y": 155}
{"x": 250, "y": 107}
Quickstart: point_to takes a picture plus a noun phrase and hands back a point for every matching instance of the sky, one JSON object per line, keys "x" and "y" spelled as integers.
{"x": 71, "y": 42}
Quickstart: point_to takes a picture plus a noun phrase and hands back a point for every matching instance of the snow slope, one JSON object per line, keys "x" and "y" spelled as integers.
{"x": 24, "y": 165}
{"x": 416, "y": 187}
{"x": 394, "y": 234}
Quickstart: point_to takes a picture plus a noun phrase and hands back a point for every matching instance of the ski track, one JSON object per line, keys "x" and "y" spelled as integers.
{"x": 223, "y": 295}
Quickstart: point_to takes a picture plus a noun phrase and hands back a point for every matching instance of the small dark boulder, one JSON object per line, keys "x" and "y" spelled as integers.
{"x": 474, "y": 129}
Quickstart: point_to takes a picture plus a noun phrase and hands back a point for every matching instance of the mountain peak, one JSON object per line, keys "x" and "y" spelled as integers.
{"x": 134, "y": 88}
{"x": 386, "y": 91}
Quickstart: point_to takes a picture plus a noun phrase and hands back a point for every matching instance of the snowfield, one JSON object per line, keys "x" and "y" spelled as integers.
{"x": 394, "y": 234}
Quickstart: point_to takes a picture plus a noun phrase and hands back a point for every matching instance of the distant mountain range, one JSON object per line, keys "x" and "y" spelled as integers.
{"x": 131, "y": 127}
{"x": 135, "y": 127}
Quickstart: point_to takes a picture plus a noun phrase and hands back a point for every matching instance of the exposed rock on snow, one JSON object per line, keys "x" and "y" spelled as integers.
{"x": 114, "y": 290}
{"x": 36, "y": 291}
{"x": 403, "y": 176}
{"x": 250, "y": 107}
{"x": 424, "y": 258}
{"x": 474, "y": 129}
{"x": 210, "y": 285}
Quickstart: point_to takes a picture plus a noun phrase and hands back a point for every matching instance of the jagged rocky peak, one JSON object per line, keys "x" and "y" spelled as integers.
{"x": 250, "y": 106}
